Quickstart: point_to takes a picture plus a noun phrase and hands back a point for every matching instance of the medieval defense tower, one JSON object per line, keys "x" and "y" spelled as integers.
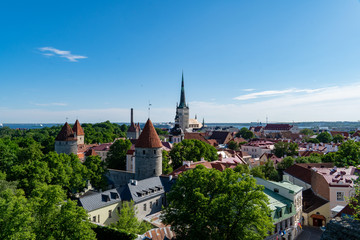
{"x": 66, "y": 141}
{"x": 79, "y": 132}
{"x": 182, "y": 110}
{"x": 148, "y": 153}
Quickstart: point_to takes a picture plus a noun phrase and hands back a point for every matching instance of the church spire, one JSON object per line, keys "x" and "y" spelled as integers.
{"x": 182, "y": 96}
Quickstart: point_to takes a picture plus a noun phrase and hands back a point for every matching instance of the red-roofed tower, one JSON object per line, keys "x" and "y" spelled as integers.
{"x": 66, "y": 141}
{"x": 148, "y": 153}
{"x": 80, "y": 135}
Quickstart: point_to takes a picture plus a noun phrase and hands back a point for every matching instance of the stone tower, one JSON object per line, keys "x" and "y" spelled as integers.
{"x": 148, "y": 153}
{"x": 134, "y": 129}
{"x": 79, "y": 132}
{"x": 182, "y": 110}
{"x": 66, "y": 141}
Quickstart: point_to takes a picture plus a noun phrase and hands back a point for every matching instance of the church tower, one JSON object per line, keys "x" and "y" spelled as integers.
{"x": 66, "y": 141}
{"x": 182, "y": 110}
{"x": 148, "y": 153}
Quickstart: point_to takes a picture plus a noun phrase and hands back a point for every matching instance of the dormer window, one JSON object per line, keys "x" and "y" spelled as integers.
{"x": 276, "y": 190}
{"x": 143, "y": 152}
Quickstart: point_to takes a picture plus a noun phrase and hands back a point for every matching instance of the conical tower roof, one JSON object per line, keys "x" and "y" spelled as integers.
{"x": 148, "y": 137}
{"x": 66, "y": 134}
{"x": 78, "y": 129}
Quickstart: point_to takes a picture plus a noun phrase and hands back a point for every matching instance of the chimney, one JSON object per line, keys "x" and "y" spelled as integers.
{"x": 132, "y": 116}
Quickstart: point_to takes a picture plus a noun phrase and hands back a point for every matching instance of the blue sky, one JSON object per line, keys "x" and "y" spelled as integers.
{"x": 242, "y": 60}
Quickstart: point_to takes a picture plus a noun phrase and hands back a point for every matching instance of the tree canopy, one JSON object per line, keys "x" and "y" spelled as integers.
{"x": 209, "y": 204}
{"x": 324, "y": 137}
{"x": 245, "y": 133}
{"x": 191, "y": 150}
{"x": 128, "y": 221}
{"x": 116, "y": 157}
{"x": 286, "y": 148}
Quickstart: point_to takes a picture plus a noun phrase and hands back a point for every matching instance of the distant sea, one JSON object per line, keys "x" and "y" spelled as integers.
{"x": 339, "y": 126}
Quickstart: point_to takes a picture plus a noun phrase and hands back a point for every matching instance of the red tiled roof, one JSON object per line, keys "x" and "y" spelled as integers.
{"x": 160, "y": 233}
{"x": 222, "y": 137}
{"x": 282, "y": 127}
{"x": 132, "y": 128}
{"x": 66, "y": 134}
{"x": 344, "y": 134}
{"x": 302, "y": 171}
{"x": 91, "y": 152}
{"x": 103, "y": 147}
{"x": 148, "y": 137}
{"x": 78, "y": 129}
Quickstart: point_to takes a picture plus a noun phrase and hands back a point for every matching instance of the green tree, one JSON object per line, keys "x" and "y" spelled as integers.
{"x": 285, "y": 163}
{"x": 191, "y": 150}
{"x": 338, "y": 138}
{"x": 285, "y": 148}
{"x": 242, "y": 168}
{"x": 128, "y": 221}
{"x": 306, "y": 132}
{"x": 311, "y": 140}
{"x": 348, "y": 154}
{"x": 56, "y": 218}
{"x": 96, "y": 171}
{"x": 15, "y": 215}
{"x": 258, "y": 171}
{"x": 116, "y": 157}
{"x": 166, "y": 166}
{"x": 209, "y": 204}
{"x": 329, "y": 157}
{"x": 324, "y": 137}
{"x": 245, "y": 133}
{"x": 233, "y": 145}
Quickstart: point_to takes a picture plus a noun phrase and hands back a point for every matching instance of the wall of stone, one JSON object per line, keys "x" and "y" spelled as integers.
{"x": 148, "y": 163}
{"x": 66, "y": 147}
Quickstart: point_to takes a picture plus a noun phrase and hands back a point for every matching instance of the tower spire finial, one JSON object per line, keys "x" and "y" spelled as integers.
{"x": 182, "y": 95}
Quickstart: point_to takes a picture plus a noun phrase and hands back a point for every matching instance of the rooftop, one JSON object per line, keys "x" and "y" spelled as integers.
{"x": 148, "y": 137}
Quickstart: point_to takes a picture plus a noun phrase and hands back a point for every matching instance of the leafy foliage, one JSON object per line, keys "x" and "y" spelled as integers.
{"x": 128, "y": 221}
{"x": 107, "y": 233}
{"x": 191, "y": 150}
{"x": 103, "y": 132}
{"x": 324, "y": 137}
{"x": 209, "y": 204}
{"x": 245, "y": 133}
{"x": 96, "y": 171}
{"x": 166, "y": 166}
{"x": 348, "y": 154}
{"x": 306, "y": 131}
{"x": 116, "y": 157}
{"x": 286, "y": 148}
{"x": 338, "y": 138}
{"x": 233, "y": 145}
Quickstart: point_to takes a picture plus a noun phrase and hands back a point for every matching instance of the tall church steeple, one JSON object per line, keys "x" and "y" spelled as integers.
{"x": 182, "y": 110}
{"x": 182, "y": 95}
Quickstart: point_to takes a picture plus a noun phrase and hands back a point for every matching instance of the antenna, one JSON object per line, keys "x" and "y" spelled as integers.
{"x": 67, "y": 119}
{"x": 149, "y": 108}
{"x": 267, "y": 120}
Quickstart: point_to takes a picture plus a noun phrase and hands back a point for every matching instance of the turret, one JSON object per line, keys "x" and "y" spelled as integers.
{"x": 80, "y": 135}
{"x": 148, "y": 153}
{"x": 66, "y": 141}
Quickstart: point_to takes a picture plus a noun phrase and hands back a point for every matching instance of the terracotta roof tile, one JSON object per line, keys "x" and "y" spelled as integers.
{"x": 66, "y": 134}
{"x": 148, "y": 137}
{"x": 302, "y": 171}
{"x": 78, "y": 129}
{"x": 279, "y": 127}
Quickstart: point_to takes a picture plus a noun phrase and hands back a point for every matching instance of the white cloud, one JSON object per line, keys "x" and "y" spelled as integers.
{"x": 50, "y": 51}
{"x": 338, "y": 103}
{"x": 272, "y": 93}
{"x": 248, "y": 89}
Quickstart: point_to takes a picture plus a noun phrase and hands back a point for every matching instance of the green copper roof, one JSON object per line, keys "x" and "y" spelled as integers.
{"x": 182, "y": 96}
{"x": 277, "y": 204}
{"x": 289, "y": 186}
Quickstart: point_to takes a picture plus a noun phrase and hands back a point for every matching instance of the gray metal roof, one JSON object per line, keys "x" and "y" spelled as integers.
{"x": 141, "y": 191}
{"x": 98, "y": 200}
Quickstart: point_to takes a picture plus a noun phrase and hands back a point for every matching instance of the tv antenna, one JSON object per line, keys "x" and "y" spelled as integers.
{"x": 149, "y": 108}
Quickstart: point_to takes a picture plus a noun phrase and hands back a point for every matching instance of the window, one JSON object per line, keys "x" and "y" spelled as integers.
{"x": 109, "y": 213}
{"x": 340, "y": 196}
{"x": 144, "y": 206}
{"x": 98, "y": 218}
{"x": 276, "y": 190}
{"x": 157, "y": 202}
{"x": 94, "y": 218}
{"x": 144, "y": 152}
{"x": 150, "y": 205}
{"x": 154, "y": 151}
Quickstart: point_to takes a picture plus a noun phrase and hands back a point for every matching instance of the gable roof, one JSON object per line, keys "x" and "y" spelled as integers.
{"x": 311, "y": 201}
{"x": 66, "y": 134}
{"x": 148, "y": 137}
{"x": 78, "y": 129}
{"x": 195, "y": 136}
{"x": 222, "y": 137}
{"x": 279, "y": 127}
